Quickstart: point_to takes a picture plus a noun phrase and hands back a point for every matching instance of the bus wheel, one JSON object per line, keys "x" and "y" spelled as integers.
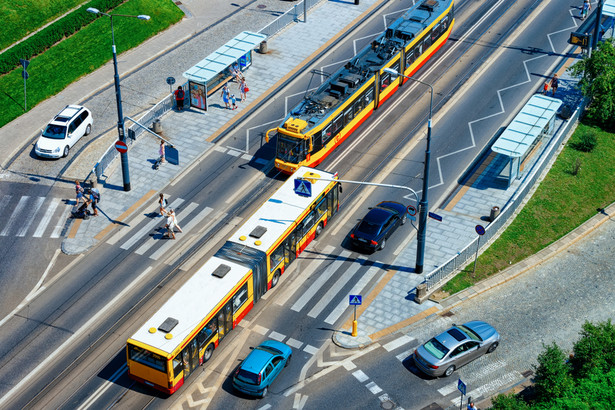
{"x": 319, "y": 229}
{"x": 208, "y": 352}
{"x": 275, "y": 279}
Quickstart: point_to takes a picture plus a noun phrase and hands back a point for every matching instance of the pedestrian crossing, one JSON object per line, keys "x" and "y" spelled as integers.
{"x": 33, "y": 216}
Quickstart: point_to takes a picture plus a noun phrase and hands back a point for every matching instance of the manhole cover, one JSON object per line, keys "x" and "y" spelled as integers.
{"x": 387, "y": 405}
{"x": 261, "y": 6}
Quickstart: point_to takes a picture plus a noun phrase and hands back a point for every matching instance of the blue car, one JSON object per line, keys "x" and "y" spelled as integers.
{"x": 256, "y": 373}
{"x": 372, "y": 232}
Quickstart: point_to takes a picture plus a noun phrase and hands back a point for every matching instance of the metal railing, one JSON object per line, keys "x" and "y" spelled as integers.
{"x": 290, "y": 16}
{"x": 438, "y": 277}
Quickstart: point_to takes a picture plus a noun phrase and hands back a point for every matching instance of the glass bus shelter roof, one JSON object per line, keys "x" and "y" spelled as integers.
{"x": 518, "y": 137}
{"x": 608, "y": 8}
{"x": 223, "y": 57}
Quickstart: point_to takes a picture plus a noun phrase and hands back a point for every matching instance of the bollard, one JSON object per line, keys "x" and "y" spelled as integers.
{"x": 356, "y": 2}
{"x": 495, "y": 211}
{"x": 421, "y": 292}
{"x": 354, "y": 328}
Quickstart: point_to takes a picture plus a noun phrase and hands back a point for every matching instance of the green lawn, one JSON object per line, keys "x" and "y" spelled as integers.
{"x": 562, "y": 202}
{"x": 21, "y": 17}
{"x": 82, "y": 53}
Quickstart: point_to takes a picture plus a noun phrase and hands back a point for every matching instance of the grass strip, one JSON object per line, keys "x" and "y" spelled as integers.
{"x": 82, "y": 53}
{"x": 577, "y": 186}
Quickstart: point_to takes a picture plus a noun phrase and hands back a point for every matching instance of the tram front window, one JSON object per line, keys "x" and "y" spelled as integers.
{"x": 290, "y": 149}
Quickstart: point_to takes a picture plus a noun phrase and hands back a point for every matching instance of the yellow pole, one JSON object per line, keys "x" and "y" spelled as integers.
{"x": 354, "y": 322}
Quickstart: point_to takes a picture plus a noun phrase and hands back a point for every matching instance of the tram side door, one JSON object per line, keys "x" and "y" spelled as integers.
{"x": 190, "y": 358}
{"x": 225, "y": 320}
{"x": 290, "y": 248}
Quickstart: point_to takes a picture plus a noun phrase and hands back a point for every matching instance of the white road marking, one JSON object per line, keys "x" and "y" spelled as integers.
{"x": 29, "y": 218}
{"x": 356, "y": 290}
{"x": 319, "y": 282}
{"x": 373, "y": 387}
{"x": 299, "y": 401}
{"x": 42, "y": 225}
{"x": 164, "y": 248}
{"x": 148, "y": 227}
{"x": 333, "y": 290}
{"x": 404, "y": 355}
{"x": 294, "y": 343}
{"x": 448, "y": 389}
{"x": 309, "y": 349}
{"x": 71, "y": 340}
{"x": 259, "y": 329}
{"x": 277, "y": 336}
{"x": 102, "y": 389}
{"x": 360, "y": 376}
{"x": 63, "y": 217}
{"x": 400, "y": 341}
{"x": 14, "y": 216}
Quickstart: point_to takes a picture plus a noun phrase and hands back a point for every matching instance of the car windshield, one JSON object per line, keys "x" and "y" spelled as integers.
{"x": 369, "y": 228}
{"x": 473, "y": 335}
{"x": 436, "y": 348}
{"x": 57, "y": 132}
{"x": 247, "y": 377}
{"x": 269, "y": 349}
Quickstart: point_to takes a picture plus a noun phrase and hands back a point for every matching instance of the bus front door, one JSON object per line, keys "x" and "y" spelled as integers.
{"x": 290, "y": 249}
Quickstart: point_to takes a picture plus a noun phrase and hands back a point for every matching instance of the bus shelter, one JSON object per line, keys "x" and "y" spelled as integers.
{"x": 210, "y": 74}
{"x": 534, "y": 122}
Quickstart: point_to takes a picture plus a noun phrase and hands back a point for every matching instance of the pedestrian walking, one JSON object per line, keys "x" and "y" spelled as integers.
{"x": 233, "y": 101}
{"x": 554, "y": 84}
{"x": 170, "y": 227}
{"x": 175, "y": 224}
{"x": 179, "y": 98}
{"x": 162, "y": 204}
{"x": 78, "y": 192}
{"x": 243, "y": 89}
{"x": 225, "y": 96}
{"x": 545, "y": 87}
{"x": 93, "y": 200}
{"x": 587, "y": 6}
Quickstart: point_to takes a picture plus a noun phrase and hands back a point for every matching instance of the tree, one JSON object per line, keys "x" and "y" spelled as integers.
{"x": 595, "y": 350}
{"x": 508, "y": 402}
{"x": 553, "y": 377}
{"x": 598, "y": 83}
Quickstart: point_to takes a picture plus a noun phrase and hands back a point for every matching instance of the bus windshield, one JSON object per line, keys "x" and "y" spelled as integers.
{"x": 290, "y": 149}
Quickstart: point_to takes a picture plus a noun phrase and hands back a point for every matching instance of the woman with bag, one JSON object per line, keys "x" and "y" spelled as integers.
{"x": 243, "y": 89}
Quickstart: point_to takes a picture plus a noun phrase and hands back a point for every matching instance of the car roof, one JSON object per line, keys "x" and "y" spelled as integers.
{"x": 377, "y": 215}
{"x": 452, "y": 337}
{"x": 67, "y": 114}
{"x": 256, "y": 360}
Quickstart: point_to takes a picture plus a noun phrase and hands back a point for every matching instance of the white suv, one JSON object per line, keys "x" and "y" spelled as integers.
{"x": 66, "y": 128}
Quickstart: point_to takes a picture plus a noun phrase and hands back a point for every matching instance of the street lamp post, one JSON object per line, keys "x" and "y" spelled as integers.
{"x": 118, "y": 94}
{"x": 423, "y": 205}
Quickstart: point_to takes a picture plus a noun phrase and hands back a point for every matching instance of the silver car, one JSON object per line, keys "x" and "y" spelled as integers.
{"x": 456, "y": 347}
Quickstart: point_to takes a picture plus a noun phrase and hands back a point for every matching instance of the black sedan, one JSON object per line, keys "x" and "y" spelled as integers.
{"x": 372, "y": 232}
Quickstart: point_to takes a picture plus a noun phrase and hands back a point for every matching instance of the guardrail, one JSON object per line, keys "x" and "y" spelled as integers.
{"x": 438, "y": 277}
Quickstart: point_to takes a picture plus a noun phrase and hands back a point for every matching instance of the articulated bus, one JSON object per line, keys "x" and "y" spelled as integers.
{"x": 326, "y": 117}
{"x": 189, "y": 326}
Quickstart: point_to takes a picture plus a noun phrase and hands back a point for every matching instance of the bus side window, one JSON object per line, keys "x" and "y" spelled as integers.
{"x": 207, "y": 332}
{"x": 276, "y": 257}
{"x": 240, "y": 297}
{"x": 177, "y": 365}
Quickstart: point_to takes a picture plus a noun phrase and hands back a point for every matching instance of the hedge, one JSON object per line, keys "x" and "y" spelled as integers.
{"x": 53, "y": 33}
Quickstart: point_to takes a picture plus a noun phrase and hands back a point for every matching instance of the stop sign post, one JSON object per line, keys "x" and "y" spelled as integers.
{"x": 121, "y": 147}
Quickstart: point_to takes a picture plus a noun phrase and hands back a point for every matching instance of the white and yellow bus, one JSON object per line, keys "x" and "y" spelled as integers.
{"x": 186, "y": 330}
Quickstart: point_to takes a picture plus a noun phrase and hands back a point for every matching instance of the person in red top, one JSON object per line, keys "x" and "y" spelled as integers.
{"x": 179, "y": 98}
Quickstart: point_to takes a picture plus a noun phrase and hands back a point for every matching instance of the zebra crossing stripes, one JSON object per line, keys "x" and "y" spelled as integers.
{"x": 40, "y": 230}
{"x": 30, "y": 212}
{"x": 147, "y": 228}
{"x": 14, "y": 216}
{"x": 30, "y": 216}
{"x": 333, "y": 290}
{"x": 319, "y": 283}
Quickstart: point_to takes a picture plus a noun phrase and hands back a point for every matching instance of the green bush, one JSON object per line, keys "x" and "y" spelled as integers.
{"x": 552, "y": 378}
{"x": 508, "y": 402}
{"x": 50, "y": 35}
{"x": 586, "y": 141}
{"x": 595, "y": 350}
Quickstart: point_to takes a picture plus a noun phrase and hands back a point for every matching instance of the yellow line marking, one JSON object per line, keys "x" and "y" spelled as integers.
{"x": 370, "y": 298}
{"x": 74, "y": 228}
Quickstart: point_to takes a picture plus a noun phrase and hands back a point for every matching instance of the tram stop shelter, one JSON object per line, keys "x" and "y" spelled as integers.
{"x": 535, "y": 122}
{"x": 210, "y": 74}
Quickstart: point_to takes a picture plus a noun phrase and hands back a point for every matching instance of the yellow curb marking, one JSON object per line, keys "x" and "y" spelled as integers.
{"x": 126, "y": 213}
{"x": 74, "y": 228}
{"x": 470, "y": 182}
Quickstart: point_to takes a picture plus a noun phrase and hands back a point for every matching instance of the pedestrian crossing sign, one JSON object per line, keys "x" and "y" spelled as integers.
{"x": 303, "y": 187}
{"x": 355, "y": 299}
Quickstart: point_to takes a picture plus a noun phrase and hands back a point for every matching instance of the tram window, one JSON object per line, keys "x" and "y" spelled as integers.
{"x": 327, "y": 134}
{"x": 357, "y": 106}
{"x": 385, "y": 80}
{"x": 409, "y": 58}
{"x": 348, "y": 116}
{"x": 276, "y": 257}
{"x": 369, "y": 96}
{"x": 427, "y": 42}
{"x": 395, "y": 67}
{"x": 444, "y": 23}
{"x": 207, "y": 332}
{"x": 240, "y": 297}
{"x": 435, "y": 32}
{"x": 337, "y": 125}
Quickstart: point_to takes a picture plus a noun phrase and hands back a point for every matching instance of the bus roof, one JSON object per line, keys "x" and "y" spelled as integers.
{"x": 198, "y": 296}
{"x": 265, "y": 227}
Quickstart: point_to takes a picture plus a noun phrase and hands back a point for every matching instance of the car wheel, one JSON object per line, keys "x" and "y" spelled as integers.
{"x": 264, "y": 393}
{"x": 403, "y": 220}
{"x": 492, "y": 347}
{"x": 88, "y": 129}
{"x": 318, "y": 230}
{"x": 288, "y": 361}
{"x": 275, "y": 279}
{"x": 449, "y": 371}
{"x": 208, "y": 352}
{"x": 383, "y": 244}
{"x": 65, "y": 154}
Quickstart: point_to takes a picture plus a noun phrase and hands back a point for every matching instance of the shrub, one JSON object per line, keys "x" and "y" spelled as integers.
{"x": 508, "y": 402}
{"x": 595, "y": 350}
{"x": 587, "y": 141}
{"x": 553, "y": 377}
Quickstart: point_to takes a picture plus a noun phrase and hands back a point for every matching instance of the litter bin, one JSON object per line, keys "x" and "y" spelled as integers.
{"x": 156, "y": 126}
{"x": 262, "y": 48}
{"x": 495, "y": 211}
